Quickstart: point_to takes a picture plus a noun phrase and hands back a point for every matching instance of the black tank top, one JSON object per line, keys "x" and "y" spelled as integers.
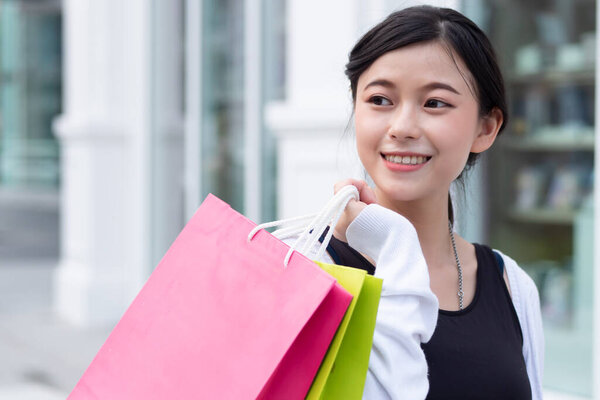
{"x": 475, "y": 353}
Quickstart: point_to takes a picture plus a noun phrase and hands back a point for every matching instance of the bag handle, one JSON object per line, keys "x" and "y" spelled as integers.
{"x": 311, "y": 232}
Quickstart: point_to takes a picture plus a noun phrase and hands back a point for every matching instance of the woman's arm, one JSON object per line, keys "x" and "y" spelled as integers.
{"x": 408, "y": 308}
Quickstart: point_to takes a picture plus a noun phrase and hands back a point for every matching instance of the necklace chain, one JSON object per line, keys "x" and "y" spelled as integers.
{"x": 460, "y": 277}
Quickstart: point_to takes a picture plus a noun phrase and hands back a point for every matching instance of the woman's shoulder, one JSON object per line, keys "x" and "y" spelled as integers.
{"x": 517, "y": 276}
{"x": 523, "y": 290}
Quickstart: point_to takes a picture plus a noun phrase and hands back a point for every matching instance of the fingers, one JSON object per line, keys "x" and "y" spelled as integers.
{"x": 359, "y": 184}
{"x": 366, "y": 194}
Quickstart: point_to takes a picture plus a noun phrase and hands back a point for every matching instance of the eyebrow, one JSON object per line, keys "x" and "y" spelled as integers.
{"x": 429, "y": 86}
{"x": 380, "y": 82}
{"x": 440, "y": 85}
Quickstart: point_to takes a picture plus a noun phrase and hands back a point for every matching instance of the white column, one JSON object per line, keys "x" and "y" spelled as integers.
{"x": 193, "y": 105}
{"x": 252, "y": 108}
{"x": 107, "y": 131}
{"x": 167, "y": 157}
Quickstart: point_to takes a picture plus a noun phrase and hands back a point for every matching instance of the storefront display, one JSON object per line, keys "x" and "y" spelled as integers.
{"x": 541, "y": 209}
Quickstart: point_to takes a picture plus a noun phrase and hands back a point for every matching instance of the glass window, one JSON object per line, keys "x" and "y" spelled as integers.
{"x": 223, "y": 141}
{"x": 274, "y": 57}
{"x": 30, "y": 92}
{"x": 540, "y": 171}
{"x": 30, "y": 97}
{"x": 222, "y": 130}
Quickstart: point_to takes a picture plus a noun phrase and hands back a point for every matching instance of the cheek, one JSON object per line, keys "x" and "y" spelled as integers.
{"x": 458, "y": 131}
{"x": 455, "y": 139}
{"x": 368, "y": 134}
{"x": 365, "y": 146}
{"x": 366, "y": 114}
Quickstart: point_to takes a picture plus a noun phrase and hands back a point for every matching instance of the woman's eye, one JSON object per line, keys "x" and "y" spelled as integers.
{"x": 380, "y": 101}
{"x": 435, "y": 104}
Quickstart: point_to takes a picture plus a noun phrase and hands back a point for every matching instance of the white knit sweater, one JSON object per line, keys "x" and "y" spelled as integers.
{"x": 408, "y": 309}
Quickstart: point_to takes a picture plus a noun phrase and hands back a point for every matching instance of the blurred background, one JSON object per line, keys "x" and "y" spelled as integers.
{"x": 118, "y": 117}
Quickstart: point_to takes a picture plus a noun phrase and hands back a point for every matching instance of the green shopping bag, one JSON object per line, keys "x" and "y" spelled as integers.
{"x": 343, "y": 371}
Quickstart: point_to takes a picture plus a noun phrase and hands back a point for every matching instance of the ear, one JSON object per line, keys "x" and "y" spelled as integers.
{"x": 489, "y": 127}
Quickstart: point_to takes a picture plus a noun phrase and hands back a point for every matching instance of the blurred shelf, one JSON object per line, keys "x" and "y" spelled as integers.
{"x": 555, "y": 76}
{"x": 543, "y": 216}
{"x": 583, "y": 143}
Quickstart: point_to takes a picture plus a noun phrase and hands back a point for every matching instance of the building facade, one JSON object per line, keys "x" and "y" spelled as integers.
{"x": 161, "y": 102}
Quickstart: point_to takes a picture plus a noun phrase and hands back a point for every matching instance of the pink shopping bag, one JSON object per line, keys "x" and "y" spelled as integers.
{"x": 220, "y": 318}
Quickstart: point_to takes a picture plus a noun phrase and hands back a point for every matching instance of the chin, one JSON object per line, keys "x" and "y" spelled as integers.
{"x": 397, "y": 192}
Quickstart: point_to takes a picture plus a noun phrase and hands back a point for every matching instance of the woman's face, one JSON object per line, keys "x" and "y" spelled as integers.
{"x": 416, "y": 121}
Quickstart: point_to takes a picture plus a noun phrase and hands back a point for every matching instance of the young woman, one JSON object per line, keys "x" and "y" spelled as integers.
{"x": 456, "y": 319}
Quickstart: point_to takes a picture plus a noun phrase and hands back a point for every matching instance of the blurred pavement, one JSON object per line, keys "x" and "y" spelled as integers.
{"x": 41, "y": 357}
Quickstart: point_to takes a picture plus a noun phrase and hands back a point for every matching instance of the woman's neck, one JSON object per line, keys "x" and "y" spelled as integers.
{"x": 430, "y": 219}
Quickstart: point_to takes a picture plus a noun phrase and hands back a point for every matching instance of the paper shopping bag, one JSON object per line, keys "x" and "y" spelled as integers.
{"x": 343, "y": 372}
{"x": 220, "y": 318}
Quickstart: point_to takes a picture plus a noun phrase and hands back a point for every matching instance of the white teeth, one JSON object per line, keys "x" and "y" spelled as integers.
{"x": 406, "y": 160}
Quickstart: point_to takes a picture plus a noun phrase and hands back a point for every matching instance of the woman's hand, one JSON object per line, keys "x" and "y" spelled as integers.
{"x": 367, "y": 196}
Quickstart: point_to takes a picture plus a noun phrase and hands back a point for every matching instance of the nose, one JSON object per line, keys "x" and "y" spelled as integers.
{"x": 404, "y": 124}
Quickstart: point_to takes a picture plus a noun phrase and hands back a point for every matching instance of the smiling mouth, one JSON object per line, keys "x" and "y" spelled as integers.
{"x": 406, "y": 160}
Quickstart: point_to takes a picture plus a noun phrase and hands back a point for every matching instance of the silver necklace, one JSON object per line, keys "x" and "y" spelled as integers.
{"x": 460, "y": 277}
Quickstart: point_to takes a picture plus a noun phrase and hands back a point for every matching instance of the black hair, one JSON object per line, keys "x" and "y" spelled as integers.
{"x": 460, "y": 36}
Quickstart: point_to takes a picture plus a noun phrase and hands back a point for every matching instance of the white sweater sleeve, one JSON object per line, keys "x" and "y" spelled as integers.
{"x": 408, "y": 309}
{"x": 526, "y": 300}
